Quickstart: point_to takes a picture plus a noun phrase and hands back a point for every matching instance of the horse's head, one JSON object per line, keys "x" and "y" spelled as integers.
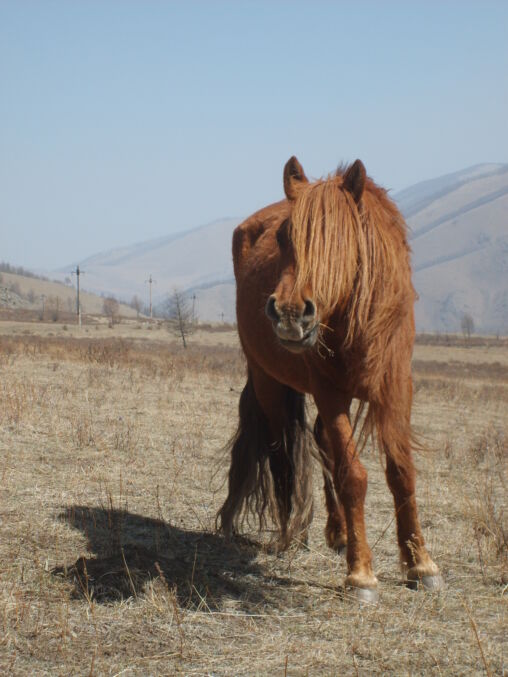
{"x": 309, "y": 286}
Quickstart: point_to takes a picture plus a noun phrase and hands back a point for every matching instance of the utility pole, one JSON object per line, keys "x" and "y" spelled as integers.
{"x": 77, "y": 273}
{"x": 193, "y": 308}
{"x": 150, "y": 282}
{"x": 222, "y": 317}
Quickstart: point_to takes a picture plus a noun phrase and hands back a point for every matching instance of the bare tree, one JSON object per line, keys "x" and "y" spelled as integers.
{"x": 177, "y": 309}
{"x": 15, "y": 288}
{"x": 111, "y": 308}
{"x": 467, "y": 326}
{"x": 53, "y": 307}
{"x": 137, "y": 304}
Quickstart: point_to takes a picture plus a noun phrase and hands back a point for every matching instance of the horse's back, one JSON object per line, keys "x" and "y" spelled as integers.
{"x": 254, "y": 238}
{"x": 256, "y": 259}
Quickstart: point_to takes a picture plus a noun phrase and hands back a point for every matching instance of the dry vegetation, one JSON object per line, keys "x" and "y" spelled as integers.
{"x": 59, "y": 297}
{"x": 111, "y": 478}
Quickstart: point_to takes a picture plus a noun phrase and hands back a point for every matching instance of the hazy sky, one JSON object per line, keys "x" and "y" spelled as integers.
{"x": 122, "y": 121}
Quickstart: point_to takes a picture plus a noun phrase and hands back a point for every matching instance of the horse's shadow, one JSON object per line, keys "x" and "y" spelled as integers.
{"x": 200, "y": 568}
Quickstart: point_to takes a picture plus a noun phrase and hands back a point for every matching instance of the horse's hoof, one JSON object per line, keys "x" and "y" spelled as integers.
{"x": 341, "y": 550}
{"x": 363, "y": 595}
{"x": 432, "y": 583}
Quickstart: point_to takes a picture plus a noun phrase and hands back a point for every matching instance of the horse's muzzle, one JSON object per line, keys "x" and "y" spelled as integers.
{"x": 296, "y": 328}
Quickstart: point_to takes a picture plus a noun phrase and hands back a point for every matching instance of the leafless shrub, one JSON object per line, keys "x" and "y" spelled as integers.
{"x": 15, "y": 288}
{"x": 177, "y": 309}
{"x": 111, "y": 309}
{"x": 52, "y": 307}
{"x": 137, "y": 304}
{"x": 467, "y": 326}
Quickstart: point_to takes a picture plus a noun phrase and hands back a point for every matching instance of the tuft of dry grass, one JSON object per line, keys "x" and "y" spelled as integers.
{"x": 110, "y": 565}
{"x": 489, "y": 456}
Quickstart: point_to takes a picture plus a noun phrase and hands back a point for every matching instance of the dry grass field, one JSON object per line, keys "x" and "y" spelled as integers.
{"x": 111, "y": 474}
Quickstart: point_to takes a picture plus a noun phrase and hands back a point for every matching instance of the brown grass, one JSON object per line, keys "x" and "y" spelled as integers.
{"x": 460, "y": 341}
{"x": 109, "y": 489}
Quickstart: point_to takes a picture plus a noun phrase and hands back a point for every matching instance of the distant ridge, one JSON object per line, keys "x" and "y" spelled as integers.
{"x": 194, "y": 258}
{"x": 458, "y": 233}
{"x": 413, "y": 199}
{"x": 459, "y": 237}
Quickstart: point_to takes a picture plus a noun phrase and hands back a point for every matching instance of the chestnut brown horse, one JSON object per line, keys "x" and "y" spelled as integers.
{"x": 325, "y": 307}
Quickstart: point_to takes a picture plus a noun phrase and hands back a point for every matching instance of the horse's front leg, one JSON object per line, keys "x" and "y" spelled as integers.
{"x": 350, "y": 480}
{"x": 335, "y": 530}
{"x": 400, "y": 475}
{"x": 415, "y": 559}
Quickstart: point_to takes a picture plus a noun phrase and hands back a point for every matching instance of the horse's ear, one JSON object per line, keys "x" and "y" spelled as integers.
{"x": 294, "y": 176}
{"x": 354, "y": 180}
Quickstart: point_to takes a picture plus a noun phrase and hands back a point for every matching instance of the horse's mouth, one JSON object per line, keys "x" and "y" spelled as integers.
{"x": 300, "y": 344}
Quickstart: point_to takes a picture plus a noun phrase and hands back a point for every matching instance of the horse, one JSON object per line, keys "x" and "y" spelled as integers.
{"x": 325, "y": 308}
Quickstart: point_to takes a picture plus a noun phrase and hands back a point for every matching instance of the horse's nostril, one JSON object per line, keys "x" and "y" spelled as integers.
{"x": 271, "y": 310}
{"x": 309, "y": 309}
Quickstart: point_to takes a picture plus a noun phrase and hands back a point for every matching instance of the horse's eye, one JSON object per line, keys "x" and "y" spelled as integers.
{"x": 281, "y": 236}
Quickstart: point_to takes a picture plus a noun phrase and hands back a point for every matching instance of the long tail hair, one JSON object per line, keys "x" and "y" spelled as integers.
{"x": 267, "y": 479}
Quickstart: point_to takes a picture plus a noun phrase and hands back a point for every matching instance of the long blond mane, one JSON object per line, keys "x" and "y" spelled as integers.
{"x": 355, "y": 261}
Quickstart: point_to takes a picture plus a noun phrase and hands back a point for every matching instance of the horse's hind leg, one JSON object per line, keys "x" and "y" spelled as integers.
{"x": 335, "y": 530}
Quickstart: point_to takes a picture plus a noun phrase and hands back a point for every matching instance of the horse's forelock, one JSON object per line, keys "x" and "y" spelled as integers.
{"x": 326, "y": 232}
{"x": 352, "y": 258}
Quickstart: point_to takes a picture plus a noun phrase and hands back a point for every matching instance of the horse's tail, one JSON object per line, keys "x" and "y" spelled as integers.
{"x": 267, "y": 478}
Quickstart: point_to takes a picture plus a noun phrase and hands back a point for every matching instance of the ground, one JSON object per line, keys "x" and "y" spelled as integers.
{"x": 112, "y": 472}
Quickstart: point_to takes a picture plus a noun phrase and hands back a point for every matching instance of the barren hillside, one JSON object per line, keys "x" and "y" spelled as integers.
{"x": 18, "y": 291}
{"x": 460, "y": 255}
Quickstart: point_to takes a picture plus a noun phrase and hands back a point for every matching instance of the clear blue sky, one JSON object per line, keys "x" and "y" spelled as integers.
{"x": 122, "y": 121}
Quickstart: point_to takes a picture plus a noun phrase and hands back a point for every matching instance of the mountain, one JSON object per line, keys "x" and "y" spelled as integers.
{"x": 191, "y": 260}
{"x": 459, "y": 237}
